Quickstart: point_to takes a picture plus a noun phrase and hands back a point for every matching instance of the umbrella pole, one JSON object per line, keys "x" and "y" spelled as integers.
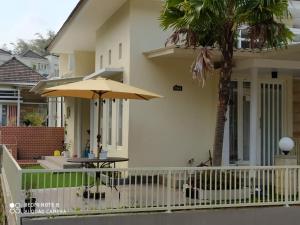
{"x": 99, "y": 147}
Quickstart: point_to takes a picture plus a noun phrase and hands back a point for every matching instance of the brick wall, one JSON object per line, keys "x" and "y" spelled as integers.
{"x": 27, "y": 143}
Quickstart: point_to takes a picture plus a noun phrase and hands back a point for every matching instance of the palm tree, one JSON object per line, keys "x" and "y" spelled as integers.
{"x": 203, "y": 24}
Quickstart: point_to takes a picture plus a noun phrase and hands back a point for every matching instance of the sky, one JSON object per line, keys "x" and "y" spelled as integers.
{"x": 24, "y": 18}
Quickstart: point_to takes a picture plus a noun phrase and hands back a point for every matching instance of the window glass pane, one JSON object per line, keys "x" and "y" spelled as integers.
{"x": 109, "y": 123}
{"x": 120, "y": 123}
{"x": 246, "y": 121}
{"x": 4, "y": 115}
{"x": 233, "y": 123}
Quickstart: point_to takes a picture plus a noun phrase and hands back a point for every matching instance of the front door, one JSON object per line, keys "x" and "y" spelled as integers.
{"x": 239, "y": 123}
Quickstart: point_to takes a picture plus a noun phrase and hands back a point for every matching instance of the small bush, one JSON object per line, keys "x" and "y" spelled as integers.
{"x": 33, "y": 119}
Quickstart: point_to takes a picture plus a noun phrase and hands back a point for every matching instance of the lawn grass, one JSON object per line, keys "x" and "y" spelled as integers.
{"x": 32, "y": 166}
{"x": 53, "y": 179}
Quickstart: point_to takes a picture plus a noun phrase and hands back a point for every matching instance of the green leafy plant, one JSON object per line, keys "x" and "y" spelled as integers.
{"x": 33, "y": 119}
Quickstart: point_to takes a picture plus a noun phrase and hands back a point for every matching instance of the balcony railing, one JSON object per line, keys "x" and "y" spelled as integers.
{"x": 44, "y": 192}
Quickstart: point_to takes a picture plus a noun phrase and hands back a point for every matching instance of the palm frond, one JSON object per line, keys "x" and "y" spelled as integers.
{"x": 202, "y": 65}
{"x": 269, "y": 34}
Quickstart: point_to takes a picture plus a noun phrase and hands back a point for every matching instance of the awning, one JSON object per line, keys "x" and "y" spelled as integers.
{"x": 40, "y": 86}
{"x": 105, "y": 72}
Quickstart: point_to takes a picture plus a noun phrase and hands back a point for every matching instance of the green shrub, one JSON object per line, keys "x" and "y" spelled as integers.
{"x": 33, "y": 119}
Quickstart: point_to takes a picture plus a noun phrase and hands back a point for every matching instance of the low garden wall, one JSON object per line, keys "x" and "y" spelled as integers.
{"x": 28, "y": 143}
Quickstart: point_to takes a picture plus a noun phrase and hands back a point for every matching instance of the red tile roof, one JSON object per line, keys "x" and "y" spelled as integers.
{"x": 15, "y": 71}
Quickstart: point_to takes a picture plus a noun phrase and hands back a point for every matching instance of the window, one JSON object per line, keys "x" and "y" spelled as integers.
{"x": 101, "y": 61}
{"x": 34, "y": 67}
{"x": 3, "y": 117}
{"x": 120, "y": 50}
{"x": 242, "y": 39}
{"x": 109, "y": 123}
{"x": 109, "y": 57}
{"x": 120, "y": 123}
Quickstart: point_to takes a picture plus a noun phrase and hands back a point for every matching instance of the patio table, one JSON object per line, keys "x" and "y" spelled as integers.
{"x": 101, "y": 163}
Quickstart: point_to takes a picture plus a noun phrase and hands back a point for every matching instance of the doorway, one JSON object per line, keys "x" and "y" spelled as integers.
{"x": 239, "y": 122}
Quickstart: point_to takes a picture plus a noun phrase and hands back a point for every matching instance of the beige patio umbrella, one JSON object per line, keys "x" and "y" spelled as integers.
{"x": 100, "y": 88}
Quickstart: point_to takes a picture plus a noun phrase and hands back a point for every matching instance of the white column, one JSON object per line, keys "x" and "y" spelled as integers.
{"x": 18, "y": 108}
{"x": 59, "y": 113}
{"x": 78, "y": 127}
{"x": 254, "y": 118}
{"x": 51, "y": 121}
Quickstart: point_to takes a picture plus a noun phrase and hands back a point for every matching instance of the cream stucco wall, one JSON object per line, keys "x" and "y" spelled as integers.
{"x": 113, "y": 33}
{"x": 63, "y": 65}
{"x": 180, "y": 126}
{"x": 163, "y": 132}
{"x": 84, "y": 63}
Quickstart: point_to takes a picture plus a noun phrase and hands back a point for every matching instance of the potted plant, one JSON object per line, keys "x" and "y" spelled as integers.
{"x": 66, "y": 152}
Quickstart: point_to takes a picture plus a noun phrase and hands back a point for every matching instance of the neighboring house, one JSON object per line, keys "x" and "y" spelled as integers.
{"x": 16, "y": 79}
{"x": 4, "y": 56}
{"x": 123, "y": 40}
{"x": 47, "y": 66}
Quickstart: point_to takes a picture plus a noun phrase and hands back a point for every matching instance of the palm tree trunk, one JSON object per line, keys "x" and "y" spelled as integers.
{"x": 224, "y": 93}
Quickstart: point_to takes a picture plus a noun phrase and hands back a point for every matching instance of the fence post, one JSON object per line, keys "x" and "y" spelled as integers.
{"x": 286, "y": 187}
{"x": 169, "y": 191}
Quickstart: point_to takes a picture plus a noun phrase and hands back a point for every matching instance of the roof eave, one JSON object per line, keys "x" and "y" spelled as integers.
{"x": 72, "y": 15}
{"x": 20, "y": 84}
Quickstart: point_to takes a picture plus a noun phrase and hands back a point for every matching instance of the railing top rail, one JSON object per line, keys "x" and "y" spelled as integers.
{"x": 160, "y": 169}
{"x": 11, "y": 157}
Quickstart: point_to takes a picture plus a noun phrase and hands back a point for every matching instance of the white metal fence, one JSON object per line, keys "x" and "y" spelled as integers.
{"x": 11, "y": 172}
{"x": 74, "y": 191}
{"x": 152, "y": 189}
{"x": 11, "y": 178}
